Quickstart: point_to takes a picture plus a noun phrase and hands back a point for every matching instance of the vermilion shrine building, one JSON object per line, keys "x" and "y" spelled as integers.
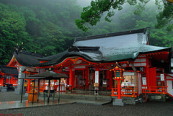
{"x": 124, "y": 64}
{"x": 8, "y": 75}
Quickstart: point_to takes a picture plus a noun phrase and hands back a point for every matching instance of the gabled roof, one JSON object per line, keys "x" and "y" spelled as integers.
{"x": 101, "y": 48}
{"x": 144, "y": 30}
{"x": 26, "y": 58}
{"x": 118, "y": 46}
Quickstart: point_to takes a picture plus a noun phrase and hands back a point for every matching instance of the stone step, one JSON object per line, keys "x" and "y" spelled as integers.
{"x": 157, "y": 97}
{"x": 83, "y": 97}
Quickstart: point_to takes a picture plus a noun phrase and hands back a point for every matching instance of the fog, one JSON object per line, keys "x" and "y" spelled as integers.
{"x": 126, "y": 18}
{"x": 84, "y": 3}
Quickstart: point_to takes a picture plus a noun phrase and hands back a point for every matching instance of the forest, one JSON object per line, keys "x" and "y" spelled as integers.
{"x": 48, "y": 27}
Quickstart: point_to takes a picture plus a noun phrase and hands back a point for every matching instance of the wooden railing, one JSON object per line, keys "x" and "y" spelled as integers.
{"x": 128, "y": 91}
{"x": 154, "y": 89}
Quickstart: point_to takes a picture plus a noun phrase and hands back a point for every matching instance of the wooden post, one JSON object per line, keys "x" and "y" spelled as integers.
{"x": 48, "y": 91}
{"x": 86, "y": 78}
{"x": 119, "y": 88}
{"x": 59, "y": 90}
{"x": 28, "y": 85}
{"x": 71, "y": 79}
{"x": 109, "y": 77}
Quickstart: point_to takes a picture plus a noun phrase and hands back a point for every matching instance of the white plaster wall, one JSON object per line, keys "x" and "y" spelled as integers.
{"x": 169, "y": 84}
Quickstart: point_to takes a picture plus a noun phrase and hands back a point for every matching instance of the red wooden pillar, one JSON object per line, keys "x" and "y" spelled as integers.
{"x": 1, "y": 81}
{"x": 4, "y": 80}
{"x": 119, "y": 88}
{"x": 71, "y": 79}
{"x": 110, "y": 79}
{"x": 12, "y": 79}
{"x": 28, "y": 85}
{"x": 86, "y": 77}
{"x": 55, "y": 85}
{"x": 151, "y": 77}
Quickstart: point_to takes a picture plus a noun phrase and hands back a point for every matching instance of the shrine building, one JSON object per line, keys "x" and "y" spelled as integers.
{"x": 121, "y": 65}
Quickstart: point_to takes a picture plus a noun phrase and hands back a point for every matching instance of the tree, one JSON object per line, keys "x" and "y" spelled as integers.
{"x": 12, "y": 32}
{"x": 92, "y": 14}
{"x": 165, "y": 18}
{"x": 42, "y": 26}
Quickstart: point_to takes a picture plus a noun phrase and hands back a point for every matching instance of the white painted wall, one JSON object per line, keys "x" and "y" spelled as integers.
{"x": 169, "y": 89}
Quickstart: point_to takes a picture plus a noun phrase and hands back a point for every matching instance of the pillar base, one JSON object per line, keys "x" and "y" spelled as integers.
{"x": 118, "y": 102}
{"x": 96, "y": 91}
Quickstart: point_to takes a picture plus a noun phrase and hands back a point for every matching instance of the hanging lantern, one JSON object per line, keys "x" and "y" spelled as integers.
{"x": 118, "y": 72}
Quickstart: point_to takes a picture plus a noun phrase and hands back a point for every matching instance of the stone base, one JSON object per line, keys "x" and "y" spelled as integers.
{"x": 118, "y": 102}
{"x": 130, "y": 100}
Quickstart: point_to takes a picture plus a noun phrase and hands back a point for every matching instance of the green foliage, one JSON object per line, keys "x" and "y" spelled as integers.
{"x": 12, "y": 31}
{"x": 165, "y": 17}
{"x": 92, "y": 14}
{"x": 47, "y": 26}
{"x": 41, "y": 26}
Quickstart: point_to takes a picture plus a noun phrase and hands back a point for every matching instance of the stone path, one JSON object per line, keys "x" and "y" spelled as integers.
{"x": 76, "y": 109}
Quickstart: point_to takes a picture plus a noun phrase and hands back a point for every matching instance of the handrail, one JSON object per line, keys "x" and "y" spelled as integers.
{"x": 154, "y": 89}
{"x": 128, "y": 91}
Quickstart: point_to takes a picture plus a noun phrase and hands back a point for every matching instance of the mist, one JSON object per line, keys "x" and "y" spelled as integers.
{"x": 48, "y": 26}
{"x": 84, "y": 3}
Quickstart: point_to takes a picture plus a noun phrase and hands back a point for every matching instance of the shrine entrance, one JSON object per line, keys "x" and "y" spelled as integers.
{"x": 80, "y": 81}
{"x": 103, "y": 82}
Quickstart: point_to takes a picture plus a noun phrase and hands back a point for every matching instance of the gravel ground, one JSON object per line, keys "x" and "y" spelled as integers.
{"x": 145, "y": 109}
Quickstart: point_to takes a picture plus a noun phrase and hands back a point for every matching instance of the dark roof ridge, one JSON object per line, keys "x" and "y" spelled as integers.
{"x": 29, "y": 53}
{"x": 143, "y": 30}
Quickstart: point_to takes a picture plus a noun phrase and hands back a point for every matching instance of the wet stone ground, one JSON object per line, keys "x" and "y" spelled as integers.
{"x": 144, "y": 109}
{"x": 10, "y": 96}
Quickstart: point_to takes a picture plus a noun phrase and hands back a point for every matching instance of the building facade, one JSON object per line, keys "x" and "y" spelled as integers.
{"x": 124, "y": 64}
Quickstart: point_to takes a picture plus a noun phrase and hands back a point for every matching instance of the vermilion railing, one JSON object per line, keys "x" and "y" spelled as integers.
{"x": 128, "y": 91}
{"x": 154, "y": 89}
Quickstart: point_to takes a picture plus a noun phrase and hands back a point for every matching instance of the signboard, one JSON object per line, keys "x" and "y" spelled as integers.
{"x": 117, "y": 74}
{"x": 162, "y": 77}
{"x": 96, "y": 76}
{"x": 128, "y": 73}
{"x": 144, "y": 81}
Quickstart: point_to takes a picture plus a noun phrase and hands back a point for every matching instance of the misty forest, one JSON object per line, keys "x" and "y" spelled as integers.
{"x": 48, "y": 27}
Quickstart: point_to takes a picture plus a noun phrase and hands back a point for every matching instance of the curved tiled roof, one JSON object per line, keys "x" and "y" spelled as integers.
{"x": 103, "y": 48}
{"x": 8, "y": 70}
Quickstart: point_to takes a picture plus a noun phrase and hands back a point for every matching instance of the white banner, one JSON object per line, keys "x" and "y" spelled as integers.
{"x": 144, "y": 81}
{"x": 162, "y": 77}
{"x": 96, "y": 76}
{"x": 128, "y": 73}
